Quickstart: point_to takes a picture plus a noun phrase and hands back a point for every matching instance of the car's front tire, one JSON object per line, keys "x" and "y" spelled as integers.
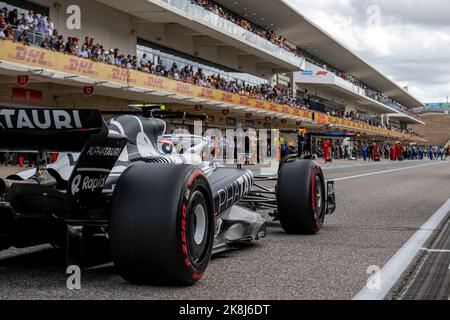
{"x": 301, "y": 197}
{"x": 162, "y": 224}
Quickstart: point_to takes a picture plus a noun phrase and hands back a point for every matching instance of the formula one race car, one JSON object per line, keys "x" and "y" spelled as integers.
{"x": 161, "y": 214}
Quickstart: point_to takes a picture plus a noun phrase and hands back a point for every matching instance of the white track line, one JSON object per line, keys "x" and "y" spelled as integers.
{"x": 386, "y": 171}
{"x": 393, "y": 270}
{"x": 435, "y": 250}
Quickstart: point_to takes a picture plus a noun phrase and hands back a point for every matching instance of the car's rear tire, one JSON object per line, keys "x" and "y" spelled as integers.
{"x": 162, "y": 224}
{"x": 301, "y": 197}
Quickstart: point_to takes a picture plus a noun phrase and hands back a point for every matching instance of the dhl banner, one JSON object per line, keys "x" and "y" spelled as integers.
{"x": 42, "y": 58}
{"x": 322, "y": 118}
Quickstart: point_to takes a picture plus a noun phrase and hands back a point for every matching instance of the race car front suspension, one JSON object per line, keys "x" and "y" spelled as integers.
{"x": 264, "y": 198}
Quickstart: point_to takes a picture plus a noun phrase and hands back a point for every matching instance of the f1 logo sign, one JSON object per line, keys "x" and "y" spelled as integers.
{"x": 321, "y": 73}
{"x": 23, "y": 80}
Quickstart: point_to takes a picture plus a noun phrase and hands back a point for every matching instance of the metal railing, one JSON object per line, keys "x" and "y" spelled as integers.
{"x": 365, "y": 92}
{"x": 34, "y": 38}
{"x": 197, "y": 13}
{"x": 369, "y": 93}
{"x": 159, "y": 57}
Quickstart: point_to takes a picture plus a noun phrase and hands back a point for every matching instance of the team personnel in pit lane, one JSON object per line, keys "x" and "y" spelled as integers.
{"x": 326, "y": 150}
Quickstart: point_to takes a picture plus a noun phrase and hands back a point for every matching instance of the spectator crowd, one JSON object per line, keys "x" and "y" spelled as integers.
{"x": 18, "y": 27}
{"x": 373, "y": 152}
{"x": 269, "y": 35}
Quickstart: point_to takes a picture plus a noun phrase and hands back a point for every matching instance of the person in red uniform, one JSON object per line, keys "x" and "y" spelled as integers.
{"x": 393, "y": 152}
{"x": 54, "y": 157}
{"x": 399, "y": 152}
{"x": 375, "y": 155}
{"x": 326, "y": 149}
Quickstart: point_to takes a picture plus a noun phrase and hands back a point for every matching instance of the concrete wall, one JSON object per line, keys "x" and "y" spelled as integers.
{"x": 110, "y": 27}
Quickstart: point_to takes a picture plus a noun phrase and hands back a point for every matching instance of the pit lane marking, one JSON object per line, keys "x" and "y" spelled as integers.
{"x": 386, "y": 171}
{"x": 391, "y": 273}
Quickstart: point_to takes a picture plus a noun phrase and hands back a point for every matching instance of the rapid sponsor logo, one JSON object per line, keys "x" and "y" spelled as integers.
{"x": 87, "y": 183}
{"x": 40, "y": 119}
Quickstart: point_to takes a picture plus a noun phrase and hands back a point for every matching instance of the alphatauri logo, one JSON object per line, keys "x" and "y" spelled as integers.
{"x": 40, "y": 119}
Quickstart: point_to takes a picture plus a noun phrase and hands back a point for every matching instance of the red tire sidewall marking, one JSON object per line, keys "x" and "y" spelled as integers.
{"x": 184, "y": 246}
{"x": 313, "y": 189}
{"x": 194, "y": 177}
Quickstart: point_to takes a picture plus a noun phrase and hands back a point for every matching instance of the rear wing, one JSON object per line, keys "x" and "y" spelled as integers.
{"x": 62, "y": 130}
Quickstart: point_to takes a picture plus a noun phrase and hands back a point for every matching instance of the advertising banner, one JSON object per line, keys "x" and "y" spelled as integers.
{"x": 38, "y": 57}
{"x": 42, "y": 58}
{"x": 438, "y": 106}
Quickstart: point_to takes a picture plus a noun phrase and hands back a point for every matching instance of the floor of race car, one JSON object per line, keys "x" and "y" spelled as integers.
{"x": 379, "y": 207}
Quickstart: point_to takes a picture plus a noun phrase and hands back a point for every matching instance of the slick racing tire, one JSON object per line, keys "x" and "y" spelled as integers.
{"x": 162, "y": 225}
{"x": 301, "y": 197}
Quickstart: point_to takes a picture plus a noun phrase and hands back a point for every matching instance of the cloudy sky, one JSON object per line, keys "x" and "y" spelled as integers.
{"x": 410, "y": 41}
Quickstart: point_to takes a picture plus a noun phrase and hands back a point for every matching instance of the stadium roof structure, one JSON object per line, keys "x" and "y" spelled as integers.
{"x": 287, "y": 21}
{"x": 208, "y": 30}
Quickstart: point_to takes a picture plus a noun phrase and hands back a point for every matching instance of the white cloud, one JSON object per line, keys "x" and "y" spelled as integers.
{"x": 411, "y": 44}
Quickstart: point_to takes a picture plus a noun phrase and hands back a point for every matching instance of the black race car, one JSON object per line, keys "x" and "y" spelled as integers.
{"x": 161, "y": 214}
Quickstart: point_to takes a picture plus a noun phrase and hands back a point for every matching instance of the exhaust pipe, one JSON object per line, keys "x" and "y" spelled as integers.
{"x": 6, "y": 185}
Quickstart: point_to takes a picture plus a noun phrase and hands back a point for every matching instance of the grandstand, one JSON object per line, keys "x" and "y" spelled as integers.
{"x": 243, "y": 62}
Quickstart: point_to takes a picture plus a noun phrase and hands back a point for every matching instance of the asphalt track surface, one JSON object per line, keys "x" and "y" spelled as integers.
{"x": 380, "y": 206}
